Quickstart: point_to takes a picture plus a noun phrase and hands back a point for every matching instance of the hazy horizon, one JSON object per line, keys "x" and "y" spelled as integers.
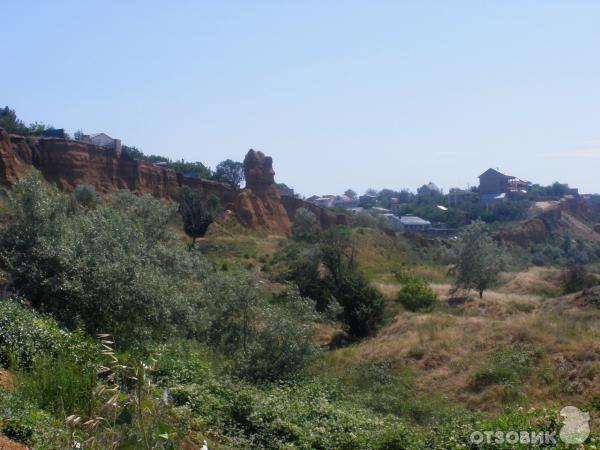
{"x": 340, "y": 94}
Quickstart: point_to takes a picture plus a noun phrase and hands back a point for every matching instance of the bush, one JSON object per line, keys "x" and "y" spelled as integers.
{"x": 59, "y": 384}
{"x": 26, "y": 335}
{"x": 576, "y": 278}
{"x": 364, "y": 219}
{"x": 305, "y": 226}
{"x": 304, "y": 272}
{"x": 416, "y": 295}
{"x": 266, "y": 340}
{"x": 86, "y": 196}
{"x": 362, "y": 305}
{"x": 510, "y": 366}
{"x": 114, "y": 268}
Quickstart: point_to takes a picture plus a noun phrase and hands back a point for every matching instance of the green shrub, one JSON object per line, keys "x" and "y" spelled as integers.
{"x": 26, "y": 335}
{"x": 59, "y": 384}
{"x": 301, "y": 415}
{"x": 266, "y": 340}
{"x": 305, "y": 226}
{"x": 114, "y": 268}
{"x": 362, "y": 305}
{"x": 86, "y": 196}
{"x": 509, "y": 366}
{"x": 24, "y": 422}
{"x": 416, "y": 295}
{"x": 16, "y": 430}
{"x": 576, "y": 278}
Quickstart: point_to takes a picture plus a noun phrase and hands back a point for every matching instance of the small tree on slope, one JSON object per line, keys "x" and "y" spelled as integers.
{"x": 479, "y": 259}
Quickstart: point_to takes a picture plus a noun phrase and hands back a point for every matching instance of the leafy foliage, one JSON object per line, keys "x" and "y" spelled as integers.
{"x": 26, "y": 336}
{"x": 266, "y": 340}
{"x": 10, "y": 122}
{"x": 230, "y": 172}
{"x": 86, "y": 196}
{"x": 196, "y": 211}
{"x": 305, "y": 225}
{"x": 115, "y": 267}
{"x": 415, "y": 295}
{"x": 575, "y": 278}
{"x": 479, "y": 260}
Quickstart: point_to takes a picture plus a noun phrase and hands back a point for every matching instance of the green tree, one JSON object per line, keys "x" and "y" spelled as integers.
{"x": 86, "y": 196}
{"x": 230, "y": 172}
{"x": 10, "y": 122}
{"x": 305, "y": 226}
{"x": 266, "y": 340}
{"x": 304, "y": 272}
{"x": 362, "y": 305}
{"x": 38, "y": 128}
{"x": 351, "y": 193}
{"x": 196, "y": 212}
{"x": 479, "y": 259}
{"x": 107, "y": 268}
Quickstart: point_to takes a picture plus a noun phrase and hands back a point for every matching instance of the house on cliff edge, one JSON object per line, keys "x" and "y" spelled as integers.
{"x": 103, "y": 140}
{"x": 494, "y": 186}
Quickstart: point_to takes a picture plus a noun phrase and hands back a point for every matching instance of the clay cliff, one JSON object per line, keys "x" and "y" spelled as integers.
{"x": 68, "y": 163}
{"x": 569, "y": 218}
{"x": 261, "y": 206}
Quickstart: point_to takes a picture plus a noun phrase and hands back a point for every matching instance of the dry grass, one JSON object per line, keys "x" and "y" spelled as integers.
{"x": 6, "y": 380}
{"x": 540, "y": 281}
{"x": 447, "y": 348}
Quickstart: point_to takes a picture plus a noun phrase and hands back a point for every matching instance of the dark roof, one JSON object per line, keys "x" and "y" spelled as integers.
{"x": 495, "y": 172}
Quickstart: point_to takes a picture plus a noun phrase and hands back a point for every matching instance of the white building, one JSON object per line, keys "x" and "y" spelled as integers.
{"x": 105, "y": 141}
{"x": 414, "y": 223}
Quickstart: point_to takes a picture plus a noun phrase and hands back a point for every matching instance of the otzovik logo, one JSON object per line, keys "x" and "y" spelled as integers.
{"x": 576, "y": 426}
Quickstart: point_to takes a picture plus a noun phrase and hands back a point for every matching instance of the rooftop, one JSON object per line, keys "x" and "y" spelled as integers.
{"x": 414, "y": 220}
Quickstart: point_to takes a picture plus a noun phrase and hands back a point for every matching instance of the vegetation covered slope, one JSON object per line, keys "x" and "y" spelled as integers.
{"x": 119, "y": 332}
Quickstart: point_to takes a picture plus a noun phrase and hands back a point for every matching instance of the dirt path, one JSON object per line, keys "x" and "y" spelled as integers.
{"x": 7, "y": 444}
{"x": 6, "y": 380}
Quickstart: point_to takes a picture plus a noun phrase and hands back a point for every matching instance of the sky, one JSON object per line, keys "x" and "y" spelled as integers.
{"x": 342, "y": 94}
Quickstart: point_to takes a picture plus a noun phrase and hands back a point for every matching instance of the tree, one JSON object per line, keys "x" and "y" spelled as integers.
{"x": 38, "y": 128}
{"x": 479, "y": 259}
{"x": 78, "y": 135}
{"x": 107, "y": 268}
{"x": 196, "y": 212}
{"x": 304, "y": 272}
{"x": 305, "y": 225}
{"x": 350, "y": 193}
{"x": 230, "y": 172}
{"x": 86, "y": 195}
{"x": 575, "y": 277}
{"x": 338, "y": 254}
{"x": 266, "y": 339}
{"x": 362, "y": 305}
{"x": 10, "y": 122}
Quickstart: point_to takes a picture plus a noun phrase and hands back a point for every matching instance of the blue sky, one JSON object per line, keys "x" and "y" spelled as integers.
{"x": 342, "y": 94}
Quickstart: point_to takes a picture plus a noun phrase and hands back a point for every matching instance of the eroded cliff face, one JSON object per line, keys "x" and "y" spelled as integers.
{"x": 68, "y": 163}
{"x": 565, "y": 220}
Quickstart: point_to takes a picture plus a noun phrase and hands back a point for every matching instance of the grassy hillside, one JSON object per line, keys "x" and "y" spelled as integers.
{"x": 121, "y": 334}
